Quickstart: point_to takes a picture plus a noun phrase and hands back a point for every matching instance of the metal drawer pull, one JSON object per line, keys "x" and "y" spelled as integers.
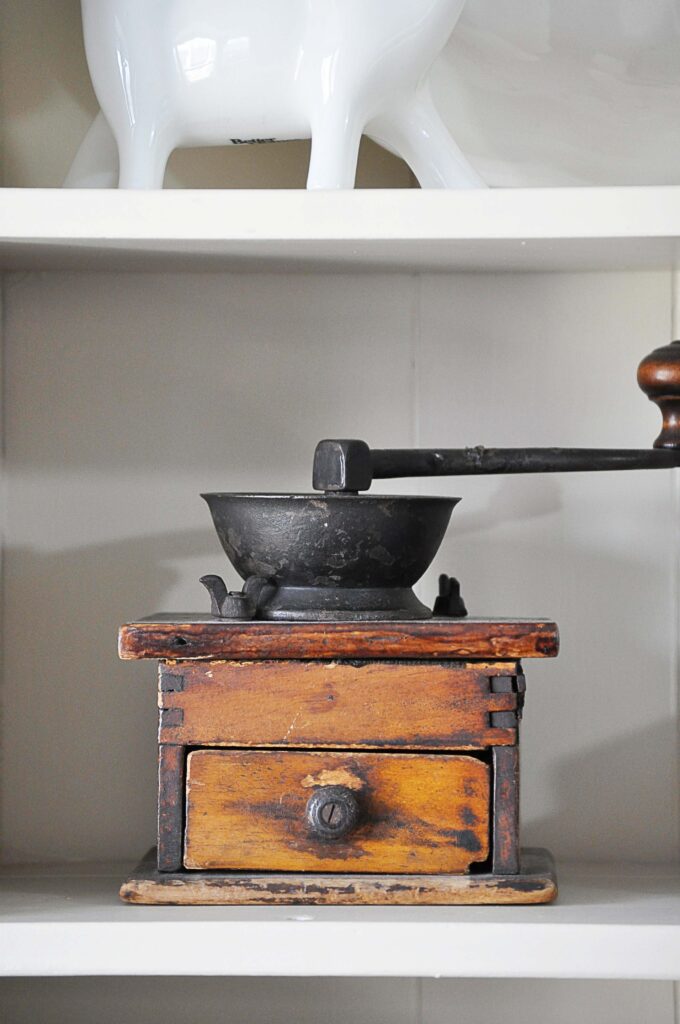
{"x": 332, "y": 812}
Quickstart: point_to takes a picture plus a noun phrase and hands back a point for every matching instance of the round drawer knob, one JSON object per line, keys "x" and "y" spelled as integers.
{"x": 332, "y": 812}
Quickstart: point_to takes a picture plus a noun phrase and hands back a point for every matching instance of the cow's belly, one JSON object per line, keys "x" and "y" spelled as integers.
{"x": 222, "y": 96}
{"x": 238, "y": 80}
{"x": 236, "y": 117}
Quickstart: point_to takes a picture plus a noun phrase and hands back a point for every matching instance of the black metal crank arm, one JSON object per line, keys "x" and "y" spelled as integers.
{"x": 350, "y": 465}
{"x": 395, "y": 462}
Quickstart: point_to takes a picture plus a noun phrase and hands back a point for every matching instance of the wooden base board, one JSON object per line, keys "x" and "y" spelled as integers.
{"x": 536, "y": 883}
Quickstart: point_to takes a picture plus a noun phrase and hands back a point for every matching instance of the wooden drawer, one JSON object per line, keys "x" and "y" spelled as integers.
{"x": 273, "y": 810}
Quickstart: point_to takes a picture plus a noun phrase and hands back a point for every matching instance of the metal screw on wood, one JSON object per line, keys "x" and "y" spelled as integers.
{"x": 328, "y": 813}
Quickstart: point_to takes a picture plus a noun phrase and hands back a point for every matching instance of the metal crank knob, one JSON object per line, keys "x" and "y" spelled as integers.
{"x": 332, "y": 812}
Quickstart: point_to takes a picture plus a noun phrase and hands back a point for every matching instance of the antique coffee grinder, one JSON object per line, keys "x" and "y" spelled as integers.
{"x": 324, "y": 736}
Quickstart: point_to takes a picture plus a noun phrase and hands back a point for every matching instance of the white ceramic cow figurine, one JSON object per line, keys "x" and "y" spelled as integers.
{"x": 173, "y": 73}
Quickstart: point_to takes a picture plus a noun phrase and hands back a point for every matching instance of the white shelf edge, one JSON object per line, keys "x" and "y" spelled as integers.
{"x": 295, "y": 214}
{"x": 504, "y": 229}
{"x": 341, "y": 949}
{"x": 612, "y": 922}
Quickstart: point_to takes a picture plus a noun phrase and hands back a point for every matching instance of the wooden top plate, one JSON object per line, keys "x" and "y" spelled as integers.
{"x": 184, "y": 637}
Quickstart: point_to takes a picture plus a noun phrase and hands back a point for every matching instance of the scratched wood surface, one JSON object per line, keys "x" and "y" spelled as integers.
{"x": 373, "y": 704}
{"x": 535, "y": 883}
{"x": 201, "y": 636}
{"x": 171, "y": 764}
{"x": 505, "y": 851}
{"x": 246, "y": 810}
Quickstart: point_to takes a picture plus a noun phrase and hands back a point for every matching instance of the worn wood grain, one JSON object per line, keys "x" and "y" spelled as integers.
{"x": 535, "y": 883}
{"x": 194, "y": 636}
{"x": 171, "y": 760}
{"x": 505, "y": 852}
{"x": 371, "y": 704}
{"x": 245, "y": 810}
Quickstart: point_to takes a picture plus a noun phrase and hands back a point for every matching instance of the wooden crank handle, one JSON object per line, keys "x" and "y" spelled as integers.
{"x": 659, "y": 377}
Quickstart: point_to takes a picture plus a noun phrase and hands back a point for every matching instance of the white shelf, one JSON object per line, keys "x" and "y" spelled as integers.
{"x": 609, "y": 922}
{"x": 499, "y": 229}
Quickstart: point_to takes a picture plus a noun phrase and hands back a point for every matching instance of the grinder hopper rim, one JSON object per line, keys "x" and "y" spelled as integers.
{"x": 332, "y": 556}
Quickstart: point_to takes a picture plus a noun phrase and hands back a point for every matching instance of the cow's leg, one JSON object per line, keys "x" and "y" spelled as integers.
{"x": 417, "y": 133}
{"x": 336, "y": 134}
{"x": 95, "y": 165}
{"x": 143, "y": 155}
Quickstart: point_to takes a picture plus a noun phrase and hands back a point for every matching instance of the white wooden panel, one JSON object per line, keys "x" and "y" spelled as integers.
{"x": 325, "y": 1001}
{"x": 126, "y": 397}
{"x": 522, "y": 1001}
{"x": 530, "y": 360}
{"x": 209, "y": 1000}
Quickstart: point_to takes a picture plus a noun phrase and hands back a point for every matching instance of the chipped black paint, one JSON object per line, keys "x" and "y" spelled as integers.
{"x": 463, "y": 838}
{"x": 518, "y": 883}
{"x": 468, "y": 816}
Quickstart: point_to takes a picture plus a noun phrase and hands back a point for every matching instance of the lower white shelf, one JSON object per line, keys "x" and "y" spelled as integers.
{"x": 610, "y": 921}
